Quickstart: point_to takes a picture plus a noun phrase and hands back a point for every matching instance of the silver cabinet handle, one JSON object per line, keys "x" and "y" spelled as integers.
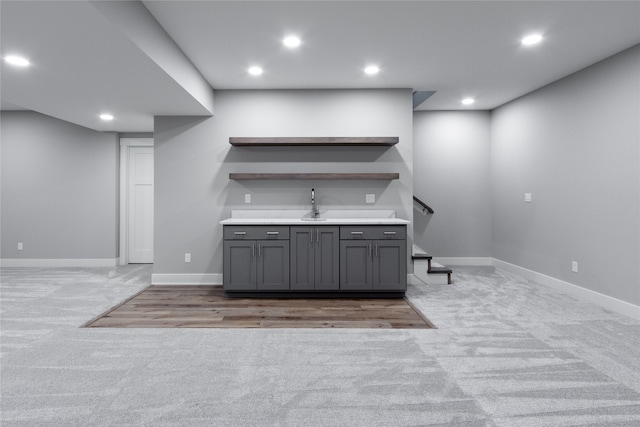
{"x": 240, "y": 233}
{"x": 357, "y": 233}
{"x": 259, "y": 250}
{"x": 389, "y": 233}
{"x": 369, "y": 249}
{"x": 318, "y": 237}
{"x": 311, "y": 242}
{"x": 376, "y": 249}
{"x": 272, "y": 233}
{"x": 253, "y": 251}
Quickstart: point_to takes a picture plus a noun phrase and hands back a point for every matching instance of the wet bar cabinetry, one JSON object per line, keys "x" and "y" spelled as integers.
{"x": 315, "y": 258}
{"x": 256, "y": 258}
{"x": 312, "y": 259}
{"x": 373, "y": 258}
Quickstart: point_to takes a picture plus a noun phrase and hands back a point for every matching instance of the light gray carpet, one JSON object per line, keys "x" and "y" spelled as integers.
{"x": 507, "y": 353}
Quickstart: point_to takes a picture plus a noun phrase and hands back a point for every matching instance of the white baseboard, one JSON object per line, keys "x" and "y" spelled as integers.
{"x": 53, "y": 263}
{"x": 186, "y": 279}
{"x": 605, "y": 301}
{"x": 449, "y": 261}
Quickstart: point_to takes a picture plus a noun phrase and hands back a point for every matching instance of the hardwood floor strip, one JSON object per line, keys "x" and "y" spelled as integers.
{"x": 167, "y": 306}
{"x": 325, "y": 324}
{"x": 86, "y": 325}
{"x": 419, "y": 313}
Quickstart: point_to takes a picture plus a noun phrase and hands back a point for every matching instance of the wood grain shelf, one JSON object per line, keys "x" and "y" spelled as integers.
{"x": 316, "y": 176}
{"x": 366, "y": 141}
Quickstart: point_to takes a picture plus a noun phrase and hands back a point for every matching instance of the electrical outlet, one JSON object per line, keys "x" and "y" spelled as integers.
{"x": 527, "y": 198}
{"x": 574, "y": 266}
{"x": 370, "y": 198}
{"x": 20, "y": 246}
{"x": 187, "y": 257}
{"x": 247, "y": 198}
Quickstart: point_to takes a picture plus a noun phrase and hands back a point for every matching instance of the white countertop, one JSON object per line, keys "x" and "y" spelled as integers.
{"x": 302, "y": 217}
{"x": 308, "y": 221}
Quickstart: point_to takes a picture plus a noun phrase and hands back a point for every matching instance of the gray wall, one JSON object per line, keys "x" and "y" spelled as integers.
{"x": 452, "y": 175}
{"x": 59, "y": 189}
{"x": 575, "y": 146}
{"x": 193, "y": 160}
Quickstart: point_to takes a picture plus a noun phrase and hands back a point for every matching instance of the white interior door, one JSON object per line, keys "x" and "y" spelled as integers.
{"x": 140, "y": 216}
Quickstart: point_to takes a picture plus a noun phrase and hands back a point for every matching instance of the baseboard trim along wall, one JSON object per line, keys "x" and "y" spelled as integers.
{"x": 53, "y": 263}
{"x": 186, "y": 279}
{"x": 605, "y": 301}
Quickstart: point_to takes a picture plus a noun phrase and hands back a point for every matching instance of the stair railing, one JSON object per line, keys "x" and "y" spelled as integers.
{"x": 424, "y": 206}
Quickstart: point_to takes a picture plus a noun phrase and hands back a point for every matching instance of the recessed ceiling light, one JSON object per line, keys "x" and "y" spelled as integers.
{"x": 468, "y": 101}
{"x": 106, "y": 117}
{"x": 372, "y": 69}
{"x": 255, "y": 71}
{"x": 531, "y": 39}
{"x": 18, "y": 61}
{"x": 291, "y": 41}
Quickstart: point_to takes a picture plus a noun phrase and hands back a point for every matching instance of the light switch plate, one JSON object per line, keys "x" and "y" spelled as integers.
{"x": 247, "y": 198}
{"x": 370, "y": 198}
{"x": 527, "y": 197}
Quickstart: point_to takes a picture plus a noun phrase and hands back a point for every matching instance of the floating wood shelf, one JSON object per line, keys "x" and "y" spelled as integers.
{"x": 314, "y": 141}
{"x": 318, "y": 176}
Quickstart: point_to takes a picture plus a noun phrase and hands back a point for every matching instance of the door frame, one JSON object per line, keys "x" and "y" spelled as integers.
{"x": 125, "y": 150}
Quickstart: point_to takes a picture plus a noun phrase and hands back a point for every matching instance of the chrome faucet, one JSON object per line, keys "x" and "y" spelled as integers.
{"x": 314, "y": 208}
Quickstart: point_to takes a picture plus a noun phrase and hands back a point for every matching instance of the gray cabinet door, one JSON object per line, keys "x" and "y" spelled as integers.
{"x": 356, "y": 265}
{"x": 315, "y": 258}
{"x": 273, "y": 265}
{"x": 327, "y": 258}
{"x": 302, "y": 259}
{"x": 389, "y": 265}
{"x": 239, "y": 266}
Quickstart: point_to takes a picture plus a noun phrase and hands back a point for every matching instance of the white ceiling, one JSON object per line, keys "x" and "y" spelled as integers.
{"x": 86, "y": 62}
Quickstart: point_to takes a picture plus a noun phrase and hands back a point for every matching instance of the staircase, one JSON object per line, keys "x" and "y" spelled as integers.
{"x": 427, "y": 270}
{"x": 424, "y": 268}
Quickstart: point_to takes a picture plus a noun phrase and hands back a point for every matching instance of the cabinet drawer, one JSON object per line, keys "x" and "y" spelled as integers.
{"x": 374, "y": 232}
{"x": 256, "y": 232}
